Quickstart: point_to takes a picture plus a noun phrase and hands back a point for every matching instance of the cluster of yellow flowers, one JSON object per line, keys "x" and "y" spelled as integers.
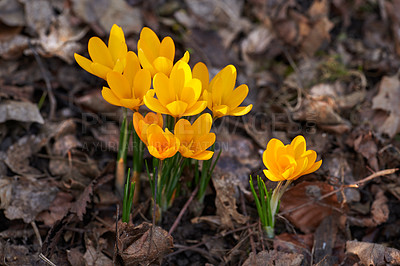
{"x": 152, "y": 78}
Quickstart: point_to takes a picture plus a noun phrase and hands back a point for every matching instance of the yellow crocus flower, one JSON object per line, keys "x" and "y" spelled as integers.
{"x": 157, "y": 56}
{"x": 177, "y": 95}
{"x": 222, "y": 97}
{"x": 128, "y": 89}
{"x": 196, "y": 138}
{"x": 142, "y": 124}
{"x": 289, "y": 162}
{"x": 105, "y": 58}
{"x": 161, "y": 144}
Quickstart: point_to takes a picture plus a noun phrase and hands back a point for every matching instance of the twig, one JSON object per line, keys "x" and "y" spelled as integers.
{"x": 36, "y": 230}
{"x": 354, "y": 185}
{"x": 178, "y": 219}
{"x": 52, "y": 98}
{"x": 43, "y": 258}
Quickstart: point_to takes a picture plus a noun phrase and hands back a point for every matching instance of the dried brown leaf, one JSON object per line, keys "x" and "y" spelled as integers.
{"x": 373, "y": 254}
{"x": 379, "y": 210}
{"x": 108, "y": 13}
{"x": 20, "y": 111}
{"x": 143, "y": 244}
{"x": 12, "y": 13}
{"x": 29, "y": 198}
{"x": 305, "y": 210}
{"x": 388, "y": 99}
{"x": 274, "y": 258}
{"x": 366, "y": 145}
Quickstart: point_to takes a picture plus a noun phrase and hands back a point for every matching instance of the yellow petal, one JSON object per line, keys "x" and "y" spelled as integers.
{"x": 185, "y": 58}
{"x": 237, "y": 96}
{"x": 132, "y": 104}
{"x": 203, "y": 124}
{"x": 200, "y": 71}
{"x": 180, "y": 74}
{"x": 99, "y": 52}
{"x": 163, "y": 65}
{"x": 120, "y": 65}
{"x": 132, "y": 67}
{"x": 161, "y": 87}
{"x": 100, "y": 70}
{"x": 299, "y": 146}
{"x": 239, "y": 111}
{"x": 119, "y": 85}
{"x": 177, "y": 108}
{"x": 153, "y": 103}
{"x": 116, "y": 43}
{"x": 313, "y": 168}
{"x": 84, "y": 63}
{"x": 271, "y": 176}
{"x": 204, "y": 142}
{"x": 142, "y": 83}
{"x": 205, "y": 155}
{"x": 197, "y": 108}
{"x": 194, "y": 86}
{"x": 110, "y": 97}
{"x": 183, "y": 130}
{"x": 149, "y": 43}
{"x": 146, "y": 63}
{"x": 220, "y": 110}
{"x": 167, "y": 49}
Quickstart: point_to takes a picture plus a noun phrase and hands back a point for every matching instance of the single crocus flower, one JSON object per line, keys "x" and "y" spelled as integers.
{"x": 289, "y": 162}
{"x": 157, "y": 56}
{"x": 222, "y": 97}
{"x": 105, "y": 58}
{"x": 161, "y": 144}
{"x": 142, "y": 124}
{"x": 195, "y": 139}
{"x": 177, "y": 95}
{"x": 128, "y": 89}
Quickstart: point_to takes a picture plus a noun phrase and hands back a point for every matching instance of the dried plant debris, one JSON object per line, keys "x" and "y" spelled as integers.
{"x": 305, "y": 206}
{"x": 379, "y": 210}
{"x": 20, "y": 111}
{"x": 142, "y": 244}
{"x": 387, "y": 99}
{"x": 27, "y": 198}
{"x": 373, "y": 254}
{"x": 274, "y": 258}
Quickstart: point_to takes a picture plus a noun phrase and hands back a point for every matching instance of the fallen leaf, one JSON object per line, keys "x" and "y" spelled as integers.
{"x": 379, "y": 210}
{"x": 12, "y": 13}
{"x": 29, "y": 198}
{"x": 302, "y": 207}
{"x": 295, "y": 243}
{"x": 143, "y": 244}
{"x": 324, "y": 241}
{"x": 387, "y": 99}
{"x": 108, "y": 13}
{"x": 20, "y": 111}
{"x": 274, "y": 258}
{"x": 75, "y": 257}
{"x": 38, "y": 15}
{"x": 373, "y": 254}
{"x": 57, "y": 210}
{"x": 94, "y": 255}
{"x": 366, "y": 146}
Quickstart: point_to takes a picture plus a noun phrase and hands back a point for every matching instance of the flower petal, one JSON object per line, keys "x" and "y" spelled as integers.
{"x": 197, "y": 108}
{"x": 142, "y": 83}
{"x": 119, "y": 85}
{"x": 132, "y": 104}
{"x": 200, "y": 71}
{"x": 153, "y": 103}
{"x": 99, "y": 52}
{"x": 177, "y": 108}
{"x": 185, "y": 58}
{"x": 205, "y": 155}
{"x": 241, "y": 110}
{"x": 100, "y": 70}
{"x": 84, "y": 63}
{"x": 116, "y": 43}
{"x": 162, "y": 89}
{"x": 163, "y": 65}
{"x": 167, "y": 48}
{"x": 237, "y": 96}
{"x": 149, "y": 43}
{"x": 272, "y": 177}
{"x": 110, "y": 97}
{"x": 145, "y": 62}
{"x": 132, "y": 67}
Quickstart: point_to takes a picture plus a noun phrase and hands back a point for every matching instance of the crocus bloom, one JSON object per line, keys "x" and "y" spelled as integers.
{"x": 157, "y": 56}
{"x": 177, "y": 95}
{"x": 289, "y": 162}
{"x": 161, "y": 144}
{"x": 196, "y": 138}
{"x": 103, "y": 58}
{"x": 128, "y": 89}
{"x": 222, "y": 98}
{"x": 142, "y": 124}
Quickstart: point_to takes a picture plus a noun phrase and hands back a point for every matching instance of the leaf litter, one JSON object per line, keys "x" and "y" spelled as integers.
{"x": 325, "y": 69}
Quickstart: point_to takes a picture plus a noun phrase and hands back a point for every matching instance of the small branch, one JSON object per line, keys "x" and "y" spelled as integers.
{"x": 178, "y": 219}
{"x": 36, "y": 230}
